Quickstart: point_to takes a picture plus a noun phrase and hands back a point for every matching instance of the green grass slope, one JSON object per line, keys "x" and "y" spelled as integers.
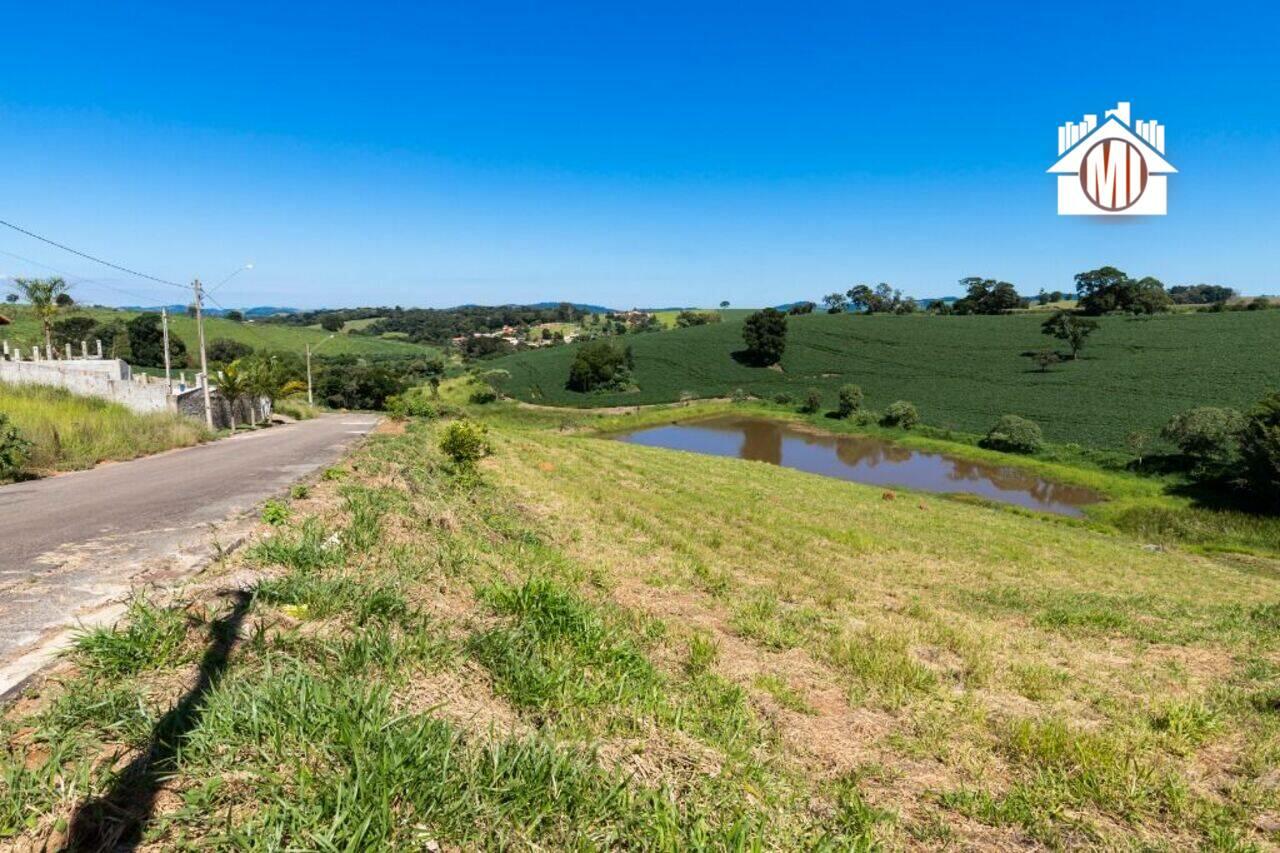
{"x": 961, "y": 372}
{"x": 68, "y": 432}
{"x": 26, "y": 331}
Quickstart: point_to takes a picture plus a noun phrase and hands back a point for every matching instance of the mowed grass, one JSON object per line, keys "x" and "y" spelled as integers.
{"x": 961, "y": 372}
{"x": 69, "y": 432}
{"x": 259, "y": 335}
{"x": 589, "y": 644}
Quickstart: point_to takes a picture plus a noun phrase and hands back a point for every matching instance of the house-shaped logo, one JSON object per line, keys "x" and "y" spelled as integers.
{"x": 1112, "y": 169}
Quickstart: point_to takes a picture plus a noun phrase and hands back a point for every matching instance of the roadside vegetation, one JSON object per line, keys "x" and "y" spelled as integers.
{"x": 54, "y": 430}
{"x": 497, "y": 630}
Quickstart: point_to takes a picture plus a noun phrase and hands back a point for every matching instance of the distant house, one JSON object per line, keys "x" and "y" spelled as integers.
{"x": 633, "y": 317}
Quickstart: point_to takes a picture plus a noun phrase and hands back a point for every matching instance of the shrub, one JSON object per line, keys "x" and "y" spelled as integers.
{"x": 465, "y": 442}
{"x": 1207, "y": 436}
{"x": 783, "y": 399}
{"x": 850, "y": 400}
{"x": 739, "y": 395}
{"x": 13, "y": 447}
{"x": 483, "y": 396}
{"x": 226, "y": 350}
{"x": 812, "y": 401}
{"x": 275, "y": 513}
{"x": 1013, "y": 434}
{"x": 900, "y": 414}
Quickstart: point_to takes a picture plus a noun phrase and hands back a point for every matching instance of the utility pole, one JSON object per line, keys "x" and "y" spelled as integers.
{"x": 204, "y": 362}
{"x": 310, "y": 400}
{"x": 164, "y": 324}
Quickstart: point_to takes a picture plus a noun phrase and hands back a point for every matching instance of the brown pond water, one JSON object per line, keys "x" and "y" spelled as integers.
{"x": 864, "y": 460}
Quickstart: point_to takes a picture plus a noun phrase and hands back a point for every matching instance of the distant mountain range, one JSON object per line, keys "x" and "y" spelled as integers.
{"x": 258, "y": 311}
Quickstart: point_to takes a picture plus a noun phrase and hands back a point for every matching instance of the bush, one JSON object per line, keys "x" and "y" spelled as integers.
{"x": 275, "y": 513}
{"x": 13, "y": 447}
{"x": 226, "y": 350}
{"x": 411, "y": 405}
{"x": 1207, "y": 436}
{"x": 739, "y": 395}
{"x": 465, "y": 442}
{"x": 850, "y": 400}
{"x": 1260, "y": 449}
{"x": 812, "y": 401}
{"x": 783, "y": 399}
{"x": 1013, "y": 434}
{"x": 900, "y": 414}
{"x": 483, "y": 396}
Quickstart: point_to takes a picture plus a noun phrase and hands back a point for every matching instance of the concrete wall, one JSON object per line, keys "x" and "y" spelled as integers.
{"x": 109, "y": 379}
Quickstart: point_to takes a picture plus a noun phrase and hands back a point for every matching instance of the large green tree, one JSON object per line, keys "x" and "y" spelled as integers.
{"x": 1109, "y": 289}
{"x": 1070, "y": 329}
{"x": 1260, "y": 450}
{"x": 146, "y": 341}
{"x": 597, "y": 364}
{"x": 765, "y": 334}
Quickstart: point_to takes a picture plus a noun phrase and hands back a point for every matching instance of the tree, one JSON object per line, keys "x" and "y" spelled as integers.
{"x": 1137, "y": 442}
{"x": 940, "y": 307}
{"x": 801, "y": 308}
{"x": 465, "y": 443}
{"x": 332, "y": 323}
{"x": 146, "y": 340}
{"x": 1200, "y": 294}
{"x": 72, "y": 330}
{"x": 64, "y": 300}
{"x": 1109, "y": 289}
{"x": 11, "y": 297}
{"x": 1045, "y": 358}
{"x": 1260, "y": 450}
{"x": 860, "y": 297}
{"x": 233, "y": 385}
{"x": 724, "y": 303}
{"x": 849, "y": 400}
{"x": 812, "y": 401}
{"x": 685, "y": 319}
{"x": 357, "y": 386}
{"x": 836, "y": 303}
{"x": 225, "y": 350}
{"x": 1208, "y": 437}
{"x": 596, "y": 365}
{"x": 1012, "y": 434}
{"x": 1069, "y": 328}
{"x": 42, "y": 294}
{"x": 765, "y": 333}
{"x": 235, "y": 316}
{"x": 987, "y": 296}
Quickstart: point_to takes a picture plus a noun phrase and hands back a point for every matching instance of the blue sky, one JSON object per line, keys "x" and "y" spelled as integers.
{"x": 435, "y": 154}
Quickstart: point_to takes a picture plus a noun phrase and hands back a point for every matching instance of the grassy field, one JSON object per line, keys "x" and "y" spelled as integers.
{"x": 69, "y": 432}
{"x": 269, "y": 336}
{"x": 961, "y": 372}
{"x": 593, "y": 644}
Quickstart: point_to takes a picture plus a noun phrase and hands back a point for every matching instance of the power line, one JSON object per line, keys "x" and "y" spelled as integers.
{"x": 87, "y": 256}
{"x": 77, "y": 280}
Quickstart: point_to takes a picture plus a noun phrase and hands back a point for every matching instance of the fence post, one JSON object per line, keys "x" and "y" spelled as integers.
{"x": 84, "y": 349}
{"x": 99, "y": 349}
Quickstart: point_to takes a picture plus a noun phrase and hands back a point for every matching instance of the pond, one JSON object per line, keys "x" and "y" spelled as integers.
{"x": 864, "y": 460}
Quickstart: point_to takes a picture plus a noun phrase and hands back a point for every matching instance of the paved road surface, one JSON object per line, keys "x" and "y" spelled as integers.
{"x": 70, "y": 543}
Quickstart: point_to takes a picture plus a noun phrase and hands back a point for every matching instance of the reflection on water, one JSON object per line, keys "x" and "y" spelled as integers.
{"x": 864, "y": 460}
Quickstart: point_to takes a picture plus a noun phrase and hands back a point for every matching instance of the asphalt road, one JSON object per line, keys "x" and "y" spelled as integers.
{"x": 73, "y": 542}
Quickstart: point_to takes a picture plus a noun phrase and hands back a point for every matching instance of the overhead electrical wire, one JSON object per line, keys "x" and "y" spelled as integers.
{"x": 93, "y": 258}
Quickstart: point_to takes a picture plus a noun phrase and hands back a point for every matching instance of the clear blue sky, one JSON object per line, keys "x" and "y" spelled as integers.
{"x": 434, "y": 154}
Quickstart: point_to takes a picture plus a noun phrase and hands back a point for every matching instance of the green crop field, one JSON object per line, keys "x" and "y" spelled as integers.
{"x": 261, "y": 336}
{"x": 961, "y": 372}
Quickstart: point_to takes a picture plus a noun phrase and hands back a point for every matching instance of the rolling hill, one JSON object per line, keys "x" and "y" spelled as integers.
{"x": 961, "y": 372}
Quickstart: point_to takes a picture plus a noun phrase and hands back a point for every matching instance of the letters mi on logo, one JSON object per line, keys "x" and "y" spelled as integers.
{"x": 1112, "y": 169}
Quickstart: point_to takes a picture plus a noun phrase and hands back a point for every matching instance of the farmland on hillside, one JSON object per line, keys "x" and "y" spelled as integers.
{"x": 261, "y": 336}
{"x": 962, "y": 372}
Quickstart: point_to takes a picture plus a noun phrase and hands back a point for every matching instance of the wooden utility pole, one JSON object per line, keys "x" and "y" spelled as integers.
{"x": 310, "y": 400}
{"x": 204, "y": 361}
{"x": 164, "y": 324}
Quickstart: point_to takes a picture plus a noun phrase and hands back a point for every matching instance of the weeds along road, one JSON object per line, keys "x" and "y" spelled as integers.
{"x": 72, "y": 542}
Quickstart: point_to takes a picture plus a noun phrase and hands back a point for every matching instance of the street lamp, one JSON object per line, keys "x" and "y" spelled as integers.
{"x": 311, "y": 400}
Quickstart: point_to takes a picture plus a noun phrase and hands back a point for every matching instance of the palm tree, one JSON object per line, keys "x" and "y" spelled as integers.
{"x": 266, "y": 380}
{"x": 47, "y": 296}
{"x": 232, "y": 384}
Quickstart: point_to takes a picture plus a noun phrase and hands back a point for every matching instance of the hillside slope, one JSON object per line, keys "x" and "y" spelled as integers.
{"x": 26, "y": 332}
{"x": 962, "y": 372}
